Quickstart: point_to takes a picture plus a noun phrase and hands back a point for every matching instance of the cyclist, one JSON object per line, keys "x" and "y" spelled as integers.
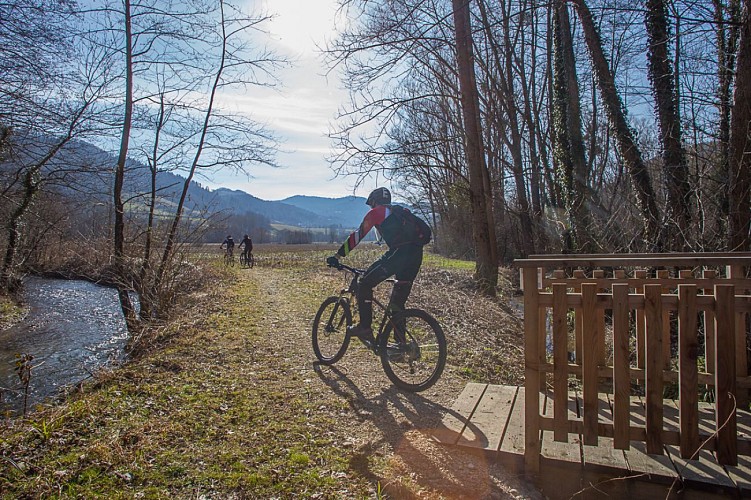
{"x": 248, "y": 243}
{"x": 402, "y": 260}
{"x": 230, "y": 244}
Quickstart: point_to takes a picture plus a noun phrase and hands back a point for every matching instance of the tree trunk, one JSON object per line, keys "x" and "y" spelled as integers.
{"x": 675, "y": 166}
{"x": 739, "y": 185}
{"x": 624, "y": 136}
{"x": 119, "y": 229}
{"x": 507, "y": 96}
{"x": 727, "y": 43}
{"x": 567, "y": 129}
{"x": 486, "y": 265}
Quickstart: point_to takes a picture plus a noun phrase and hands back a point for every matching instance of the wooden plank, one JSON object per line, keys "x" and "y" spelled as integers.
{"x": 634, "y": 260}
{"x": 741, "y": 475}
{"x": 621, "y": 375}
{"x": 605, "y": 454}
{"x": 453, "y": 423}
{"x": 637, "y": 458}
{"x": 653, "y": 317}
{"x": 589, "y": 363}
{"x": 489, "y": 419}
{"x": 688, "y": 370}
{"x": 531, "y": 371}
{"x": 701, "y": 466}
{"x": 512, "y": 440}
{"x": 560, "y": 360}
{"x": 561, "y": 451}
{"x": 725, "y": 404}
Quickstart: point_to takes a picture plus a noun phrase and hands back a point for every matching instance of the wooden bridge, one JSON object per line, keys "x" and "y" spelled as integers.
{"x": 636, "y": 363}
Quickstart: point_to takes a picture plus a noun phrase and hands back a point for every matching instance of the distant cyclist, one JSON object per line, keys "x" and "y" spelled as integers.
{"x": 248, "y": 244}
{"x": 230, "y": 243}
{"x": 405, "y": 234}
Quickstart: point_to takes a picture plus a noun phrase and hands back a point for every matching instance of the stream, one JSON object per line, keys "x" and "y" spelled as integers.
{"x": 73, "y": 328}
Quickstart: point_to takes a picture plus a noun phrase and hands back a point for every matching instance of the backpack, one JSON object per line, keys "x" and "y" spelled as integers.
{"x": 402, "y": 226}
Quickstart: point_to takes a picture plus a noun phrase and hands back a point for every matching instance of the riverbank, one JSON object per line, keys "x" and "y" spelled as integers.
{"x": 227, "y": 402}
{"x": 11, "y": 311}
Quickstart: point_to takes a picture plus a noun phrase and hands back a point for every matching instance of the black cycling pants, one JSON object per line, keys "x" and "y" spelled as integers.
{"x": 403, "y": 263}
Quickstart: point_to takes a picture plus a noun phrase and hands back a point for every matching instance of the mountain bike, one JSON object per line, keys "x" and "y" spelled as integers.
{"x": 247, "y": 259}
{"x": 410, "y": 343}
{"x": 229, "y": 259}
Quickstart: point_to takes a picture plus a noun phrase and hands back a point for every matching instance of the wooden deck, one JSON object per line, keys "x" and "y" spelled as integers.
{"x": 490, "y": 418}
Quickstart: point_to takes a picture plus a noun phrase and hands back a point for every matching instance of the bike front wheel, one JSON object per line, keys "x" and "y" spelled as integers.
{"x": 330, "y": 339}
{"x": 414, "y": 355}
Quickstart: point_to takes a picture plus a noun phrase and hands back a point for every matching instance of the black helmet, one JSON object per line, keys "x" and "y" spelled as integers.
{"x": 380, "y": 196}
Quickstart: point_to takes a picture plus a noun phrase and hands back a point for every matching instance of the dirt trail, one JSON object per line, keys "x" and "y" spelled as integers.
{"x": 388, "y": 431}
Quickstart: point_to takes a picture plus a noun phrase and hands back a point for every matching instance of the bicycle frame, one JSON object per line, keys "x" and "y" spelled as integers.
{"x": 381, "y": 337}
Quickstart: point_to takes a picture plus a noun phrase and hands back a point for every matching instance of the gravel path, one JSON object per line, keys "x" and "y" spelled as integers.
{"x": 387, "y": 431}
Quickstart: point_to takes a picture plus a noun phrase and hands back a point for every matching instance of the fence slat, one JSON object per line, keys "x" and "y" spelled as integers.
{"x": 589, "y": 362}
{"x": 560, "y": 363}
{"x": 727, "y": 447}
{"x": 709, "y": 325}
{"x": 741, "y": 354}
{"x": 654, "y": 322}
{"x": 602, "y": 351}
{"x": 531, "y": 371}
{"x": 578, "y": 274}
{"x": 621, "y": 374}
{"x": 640, "y": 325}
{"x": 688, "y": 345}
{"x": 664, "y": 274}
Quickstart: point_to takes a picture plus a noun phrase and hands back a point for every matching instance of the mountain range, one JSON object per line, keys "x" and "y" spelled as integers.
{"x": 301, "y": 211}
{"x": 84, "y": 172}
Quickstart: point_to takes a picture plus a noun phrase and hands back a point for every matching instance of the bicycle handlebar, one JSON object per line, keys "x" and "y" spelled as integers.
{"x": 345, "y": 267}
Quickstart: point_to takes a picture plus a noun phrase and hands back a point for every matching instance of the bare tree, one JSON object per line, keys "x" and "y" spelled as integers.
{"x": 229, "y": 56}
{"x": 627, "y": 146}
{"x": 486, "y": 265}
{"x": 665, "y": 92}
{"x": 50, "y": 95}
{"x": 573, "y": 171}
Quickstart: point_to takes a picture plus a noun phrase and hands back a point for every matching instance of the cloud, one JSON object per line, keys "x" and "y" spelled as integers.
{"x": 299, "y": 111}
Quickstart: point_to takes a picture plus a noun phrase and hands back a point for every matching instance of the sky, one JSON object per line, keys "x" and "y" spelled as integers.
{"x": 300, "y": 111}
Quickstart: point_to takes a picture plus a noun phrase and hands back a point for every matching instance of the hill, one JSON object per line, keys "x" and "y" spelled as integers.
{"x": 83, "y": 172}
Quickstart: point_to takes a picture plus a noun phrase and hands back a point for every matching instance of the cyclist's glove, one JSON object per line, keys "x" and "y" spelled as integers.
{"x": 332, "y": 261}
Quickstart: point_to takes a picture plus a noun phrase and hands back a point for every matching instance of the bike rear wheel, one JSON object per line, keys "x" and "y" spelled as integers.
{"x": 251, "y": 260}
{"x": 330, "y": 339}
{"x": 414, "y": 360}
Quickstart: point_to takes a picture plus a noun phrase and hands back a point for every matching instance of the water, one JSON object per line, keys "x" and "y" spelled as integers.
{"x": 72, "y": 329}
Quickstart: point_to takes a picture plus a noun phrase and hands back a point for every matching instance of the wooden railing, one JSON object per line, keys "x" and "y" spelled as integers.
{"x": 637, "y": 325}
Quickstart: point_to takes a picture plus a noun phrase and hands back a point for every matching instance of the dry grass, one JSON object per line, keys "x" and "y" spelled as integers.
{"x": 227, "y": 403}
